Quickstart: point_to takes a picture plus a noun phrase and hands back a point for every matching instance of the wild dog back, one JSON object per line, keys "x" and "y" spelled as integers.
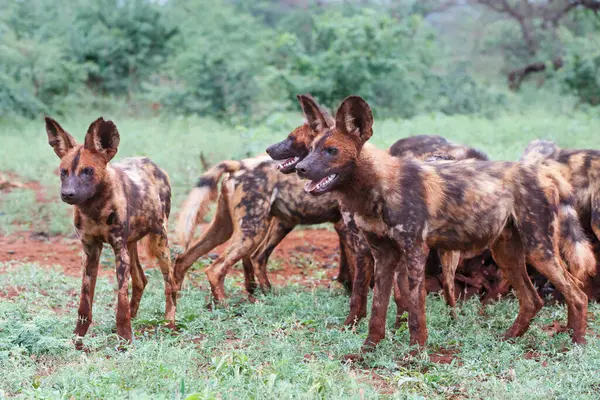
{"x": 581, "y": 168}
{"x": 425, "y": 146}
{"x": 148, "y": 192}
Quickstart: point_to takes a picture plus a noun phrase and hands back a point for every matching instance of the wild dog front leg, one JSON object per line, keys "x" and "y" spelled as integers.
{"x": 122, "y": 259}
{"x": 386, "y": 259}
{"x": 449, "y": 260}
{"x": 360, "y": 289}
{"x": 347, "y": 267}
{"x": 413, "y": 259}
{"x": 91, "y": 258}
{"x": 400, "y": 295}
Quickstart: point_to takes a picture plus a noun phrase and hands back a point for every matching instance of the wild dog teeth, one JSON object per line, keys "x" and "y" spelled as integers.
{"x": 288, "y": 162}
{"x": 312, "y": 185}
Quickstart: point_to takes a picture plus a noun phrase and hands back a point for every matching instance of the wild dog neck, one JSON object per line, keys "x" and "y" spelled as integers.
{"x": 363, "y": 190}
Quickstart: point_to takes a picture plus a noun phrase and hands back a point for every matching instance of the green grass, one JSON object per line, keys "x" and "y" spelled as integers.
{"x": 287, "y": 345}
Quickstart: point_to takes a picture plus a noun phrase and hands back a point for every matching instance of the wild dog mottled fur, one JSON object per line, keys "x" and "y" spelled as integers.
{"x": 257, "y": 207}
{"x": 434, "y": 147}
{"x": 404, "y": 207}
{"x": 582, "y": 169}
{"x": 119, "y": 204}
{"x": 296, "y": 147}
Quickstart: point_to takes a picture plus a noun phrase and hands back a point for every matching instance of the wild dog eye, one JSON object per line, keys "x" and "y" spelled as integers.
{"x": 63, "y": 173}
{"x": 87, "y": 171}
{"x": 332, "y": 150}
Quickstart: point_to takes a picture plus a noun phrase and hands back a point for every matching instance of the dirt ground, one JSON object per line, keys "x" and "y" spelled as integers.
{"x": 292, "y": 257}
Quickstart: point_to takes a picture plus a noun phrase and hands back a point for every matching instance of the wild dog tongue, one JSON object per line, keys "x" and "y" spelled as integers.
{"x": 310, "y": 186}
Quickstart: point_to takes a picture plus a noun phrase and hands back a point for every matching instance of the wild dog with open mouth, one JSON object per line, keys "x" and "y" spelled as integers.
{"x": 296, "y": 147}
{"x": 404, "y": 207}
{"x": 582, "y": 169}
{"x": 256, "y": 208}
{"x": 118, "y": 204}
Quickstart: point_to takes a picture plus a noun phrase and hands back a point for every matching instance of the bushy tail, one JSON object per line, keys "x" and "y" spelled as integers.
{"x": 575, "y": 247}
{"x": 205, "y": 192}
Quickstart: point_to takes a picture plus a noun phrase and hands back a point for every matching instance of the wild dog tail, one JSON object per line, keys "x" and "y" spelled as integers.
{"x": 205, "y": 192}
{"x": 575, "y": 248}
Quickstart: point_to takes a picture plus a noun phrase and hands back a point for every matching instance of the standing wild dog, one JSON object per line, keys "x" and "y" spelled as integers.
{"x": 404, "y": 207}
{"x": 296, "y": 147}
{"x": 117, "y": 204}
{"x": 582, "y": 169}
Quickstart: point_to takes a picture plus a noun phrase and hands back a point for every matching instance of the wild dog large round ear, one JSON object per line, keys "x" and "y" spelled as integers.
{"x": 317, "y": 117}
{"x": 58, "y": 138}
{"x": 355, "y": 118}
{"x": 103, "y": 137}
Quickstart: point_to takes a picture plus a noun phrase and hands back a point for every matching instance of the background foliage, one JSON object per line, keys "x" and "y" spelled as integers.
{"x": 244, "y": 61}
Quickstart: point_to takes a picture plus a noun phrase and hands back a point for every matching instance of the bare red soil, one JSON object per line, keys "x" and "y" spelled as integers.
{"x": 302, "y": 254}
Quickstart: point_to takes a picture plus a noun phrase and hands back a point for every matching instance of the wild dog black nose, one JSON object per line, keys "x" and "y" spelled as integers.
{"x": 302, "y": 169}
{"x": 67, "y": 194}
{"x": 269, "y": 150}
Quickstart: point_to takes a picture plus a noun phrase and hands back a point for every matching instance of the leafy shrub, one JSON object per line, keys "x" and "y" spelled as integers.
{"x": 459, "y": 93}
{"x": 581, "y": 76}
{"x": 368, "y": 53}
{"x": 217, "y": 67}
{"x": 36, "y": 73}
{"x": 121, "y": 43}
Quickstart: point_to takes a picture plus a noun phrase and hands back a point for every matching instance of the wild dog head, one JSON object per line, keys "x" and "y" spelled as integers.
{"x": 296, "y": 146}
{"x": 334, "y": 154}
{"x": 83, "y": 172}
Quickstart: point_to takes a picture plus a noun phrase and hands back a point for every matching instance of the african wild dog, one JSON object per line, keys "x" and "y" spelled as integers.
{"x": 256, "y": 209}
{"x": 296, "y": 147}
{"x": 404, "y": 207}
{"x": 582, "y": 169}
{"x": 118, "y": 204}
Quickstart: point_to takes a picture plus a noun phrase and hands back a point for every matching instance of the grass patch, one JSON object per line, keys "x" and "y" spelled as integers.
{"x": 287, "y": 345}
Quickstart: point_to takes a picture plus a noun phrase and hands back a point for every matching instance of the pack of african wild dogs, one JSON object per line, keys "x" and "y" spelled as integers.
{"x": 425, "y": 210}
